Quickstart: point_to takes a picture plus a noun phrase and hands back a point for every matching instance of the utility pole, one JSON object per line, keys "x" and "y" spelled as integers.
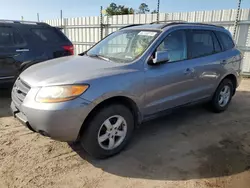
{"x": 237, "y": 18}
{"x": 158, "y": 11}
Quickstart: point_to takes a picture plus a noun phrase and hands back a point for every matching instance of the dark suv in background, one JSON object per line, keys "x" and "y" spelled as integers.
{"x": 23, "y": 44}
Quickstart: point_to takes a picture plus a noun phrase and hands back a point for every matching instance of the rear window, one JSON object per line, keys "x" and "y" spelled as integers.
{"x": 200, "y": 43}
{"x": 10, "y": 37}
{"x": 225, "y": 40}
{"x": 49, "y": 35}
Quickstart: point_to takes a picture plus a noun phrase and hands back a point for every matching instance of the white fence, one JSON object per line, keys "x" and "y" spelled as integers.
{"x": 86, "y": 31}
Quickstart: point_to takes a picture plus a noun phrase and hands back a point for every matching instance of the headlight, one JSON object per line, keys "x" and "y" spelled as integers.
{"x": 53, "y": 94}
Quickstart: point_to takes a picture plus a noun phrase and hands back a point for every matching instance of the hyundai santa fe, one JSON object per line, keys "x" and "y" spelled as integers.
{"x": 133, "y": 75}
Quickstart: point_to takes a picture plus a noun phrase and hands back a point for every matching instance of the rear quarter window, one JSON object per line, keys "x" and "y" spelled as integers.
{"x": 49, "y": 35}
{"x": 225, "y": 40}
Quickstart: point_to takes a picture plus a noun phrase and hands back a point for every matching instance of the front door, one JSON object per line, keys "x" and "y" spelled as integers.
{"x": 170, "y": 84}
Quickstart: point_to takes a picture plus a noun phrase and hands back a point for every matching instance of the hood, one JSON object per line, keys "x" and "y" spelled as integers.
{"x": 69, "y": 70}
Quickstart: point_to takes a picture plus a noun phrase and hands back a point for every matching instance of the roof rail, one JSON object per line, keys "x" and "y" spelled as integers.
{"x": 208, "y": 24}
{"x": 195, "y": 23}
{"x": 175, "y": 22}
{"x": 22, "y": 22}
{"x": 168, "y": 21}
{"x": 132, "y": 25}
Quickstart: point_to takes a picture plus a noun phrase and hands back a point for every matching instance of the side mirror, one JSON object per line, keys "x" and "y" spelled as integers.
{"x": 161, "y": 57}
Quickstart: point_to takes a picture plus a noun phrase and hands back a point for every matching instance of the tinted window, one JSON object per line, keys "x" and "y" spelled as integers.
{"x": 18, "y": 40}
{"x": 175, "y": 45}
{"x": 226, "y": 40}
{"x": 200, "y": 43}
{"x": 217, "y": 47}
{"x": 49, "y": 35}
{"x": 9, "y": 37}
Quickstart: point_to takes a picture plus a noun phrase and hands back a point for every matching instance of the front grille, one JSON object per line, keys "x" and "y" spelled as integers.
{"x": 19, "y": 92}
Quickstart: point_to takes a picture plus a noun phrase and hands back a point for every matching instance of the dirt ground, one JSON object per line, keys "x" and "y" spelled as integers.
{"x": 190, "y": 148}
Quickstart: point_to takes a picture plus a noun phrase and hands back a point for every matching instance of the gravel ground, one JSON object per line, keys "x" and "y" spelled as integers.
{"x": 190, "y": 148}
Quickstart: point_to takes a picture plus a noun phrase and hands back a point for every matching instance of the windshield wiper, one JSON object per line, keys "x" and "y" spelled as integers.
{"x": 100, "y": 57}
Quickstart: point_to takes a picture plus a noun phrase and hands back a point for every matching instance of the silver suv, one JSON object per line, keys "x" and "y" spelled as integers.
{"x": 131, "y": 76}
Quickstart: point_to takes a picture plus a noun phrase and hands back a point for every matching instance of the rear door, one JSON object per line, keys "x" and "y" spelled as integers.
{"x": 204, "y": 54}
{"x": 12, "y": 48}
{"x": 54, "y": 42}
{"x": 231, "y": 57}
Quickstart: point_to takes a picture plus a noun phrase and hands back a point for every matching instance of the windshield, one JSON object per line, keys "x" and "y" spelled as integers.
{"x": 123, "y": 46}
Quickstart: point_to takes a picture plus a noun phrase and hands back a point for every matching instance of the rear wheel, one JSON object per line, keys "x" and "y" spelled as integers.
{"x": 108, "y": 132}
{"x": 222, "y": 96}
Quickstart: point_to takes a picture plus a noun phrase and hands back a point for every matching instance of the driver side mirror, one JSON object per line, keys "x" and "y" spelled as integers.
{"x": 161, "y": 57}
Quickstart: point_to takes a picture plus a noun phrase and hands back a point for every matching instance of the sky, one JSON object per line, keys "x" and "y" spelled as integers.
{"x": 50, "y": 9}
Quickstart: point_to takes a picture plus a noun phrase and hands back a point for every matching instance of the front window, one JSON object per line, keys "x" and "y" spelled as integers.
{"x": 123, "y": 46}
{"x": 175, "y": 45}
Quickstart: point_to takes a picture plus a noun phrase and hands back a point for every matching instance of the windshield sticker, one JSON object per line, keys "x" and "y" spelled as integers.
{"x": 128, "y": 57}
{"x": 147, "y": 33}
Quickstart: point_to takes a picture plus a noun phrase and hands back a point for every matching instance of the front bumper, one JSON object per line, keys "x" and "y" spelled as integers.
{"x": 60, "y": 121}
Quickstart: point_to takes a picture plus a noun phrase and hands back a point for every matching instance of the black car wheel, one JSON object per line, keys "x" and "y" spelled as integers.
{"x": 222, "y": 96}
{"x": 108, "y": 131}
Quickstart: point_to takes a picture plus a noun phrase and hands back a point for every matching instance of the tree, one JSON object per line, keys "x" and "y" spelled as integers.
{"x": 154, "y": 12}
{"x": 113, "y": 9}
{"x": 143, "y": 8}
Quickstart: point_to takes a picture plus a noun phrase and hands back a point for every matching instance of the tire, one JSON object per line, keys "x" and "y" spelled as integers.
{"x": 96, "y": 131}
{"x": 216, "y": 104}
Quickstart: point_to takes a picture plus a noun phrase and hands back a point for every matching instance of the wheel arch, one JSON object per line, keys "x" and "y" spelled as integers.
{"x": 233, "y": 78}
{"x": 126, "y": 101}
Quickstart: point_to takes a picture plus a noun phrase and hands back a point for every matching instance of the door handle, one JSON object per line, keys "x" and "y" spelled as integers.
{"x": 223, "y": 62}
{"x": 189, "y": 71}
{"x": 22, "y": 50}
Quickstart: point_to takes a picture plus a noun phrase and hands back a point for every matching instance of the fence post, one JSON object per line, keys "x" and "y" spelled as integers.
{"x": 236, "y": 20}
{"x": 61, "y": 17}
{"x": 65, "y": 26}
{"x": 158, "y": 11}
{"x": 38, "y": 19}
{"x": 101, "y": 24}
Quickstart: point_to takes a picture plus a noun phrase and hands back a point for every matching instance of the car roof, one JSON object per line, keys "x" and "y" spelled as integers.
{"x": 21, "y": 23}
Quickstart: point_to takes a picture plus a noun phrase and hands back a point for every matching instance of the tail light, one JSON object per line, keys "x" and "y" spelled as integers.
{"x": 70, "y": 49}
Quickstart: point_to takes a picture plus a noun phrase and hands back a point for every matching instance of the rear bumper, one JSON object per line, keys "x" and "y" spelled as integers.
{"x": 59, "y": 122}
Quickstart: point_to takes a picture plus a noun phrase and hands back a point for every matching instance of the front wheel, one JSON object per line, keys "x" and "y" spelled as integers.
{"x": 108, "y": 131}
{"x": 222, "y": 96}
